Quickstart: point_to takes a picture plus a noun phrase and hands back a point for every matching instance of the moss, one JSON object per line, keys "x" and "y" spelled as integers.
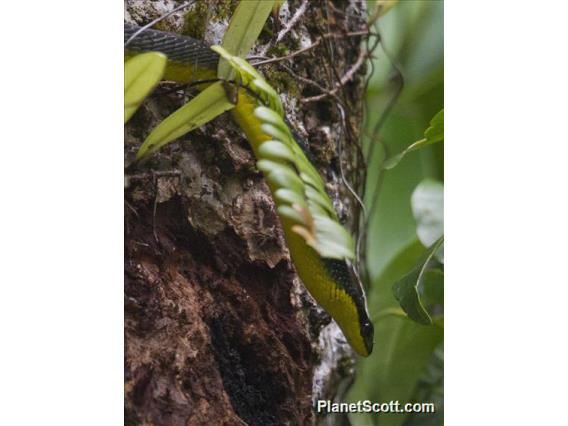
{"x": 162, "y": 26}
{"x": 204, "y": 12}
{"x": 267, "y": 33}
{"x": 278, "y": 50}
{"x": 225, "y": 8}
{"x": 195, "y": 21}
{"x": 281, "y": 80}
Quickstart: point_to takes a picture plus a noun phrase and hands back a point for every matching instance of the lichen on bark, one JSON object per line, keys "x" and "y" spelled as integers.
{"x": 219, "y": 329}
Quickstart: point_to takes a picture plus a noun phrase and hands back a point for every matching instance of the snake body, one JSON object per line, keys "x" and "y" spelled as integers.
{"x": 332, "y": 282}
{"x": 188, "y": 59}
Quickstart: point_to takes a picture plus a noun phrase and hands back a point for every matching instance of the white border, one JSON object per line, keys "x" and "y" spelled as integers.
{"x": 61, "y": 213}
{"x": 506, "y": 212}
{"x": 61, "y": 305}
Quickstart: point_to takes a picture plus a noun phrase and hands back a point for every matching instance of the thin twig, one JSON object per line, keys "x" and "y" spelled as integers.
{"x": 309, "y": 82}
{"x": 291, "y": 55}
{"x": 362, "y": 229}
{"x": 317, "y": 42}
{"x": 155, "y": 21}
{"x": 339, "y": 154}
{"x": 345, "y": 79}
{"x": 374, "y": 138}
{"x": 132, "y": 208}
{"x": 301, "y": 10}
{"x": 344, "y": 129}
{"x": 370, "y": 51}
{"x": 391, "y": 103}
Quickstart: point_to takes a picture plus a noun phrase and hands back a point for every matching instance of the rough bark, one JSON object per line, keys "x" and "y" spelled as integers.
{"x": 218, "y": 327}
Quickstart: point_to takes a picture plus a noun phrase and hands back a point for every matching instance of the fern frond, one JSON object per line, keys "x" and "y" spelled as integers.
{"x": 298, "y": 188}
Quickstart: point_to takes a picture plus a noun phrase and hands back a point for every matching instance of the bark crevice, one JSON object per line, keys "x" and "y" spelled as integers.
{"x": 218, "y": 328}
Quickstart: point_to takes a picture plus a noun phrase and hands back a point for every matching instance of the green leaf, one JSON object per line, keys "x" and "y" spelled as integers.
{"x": 289, "y": 197}
{"x": 141, "y": 74}
{"x": 394, "y": 370}
{"x": 433, "y": 134}
{"x": 269, "y": 116}
{"x": 392, "y": 226}
{"x": 281, "y": 176}
{"x": 248, "y": 76}
{"x": 246, "y": 73}
{"x": 403, "y": 348}
{"x": 317, "y": 210}
{"x": 332, "y": 240}
{"x": 317, "y": 197}
{"x": 430, "y": 389}
{"x": 269, "y": 95}
{"x": 286, "y": 167}
{"x": 292, "y": 214}
{"x": 276, "y": 151}
{"x": 381, "y": 8}
{"x": 427, "y": 202}
{"x": 312, "y": 180}
{"x": 432, "y": 288}
{"x": 393, "y": 161}
{"x": 276, "y": 132}
{"x": 244, "y": 28}
{"x": 406, "y": 289}
{"x": 203, "y": 108}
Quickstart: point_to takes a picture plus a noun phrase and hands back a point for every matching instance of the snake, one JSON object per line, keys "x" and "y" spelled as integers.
{"x": 333, "y": 282}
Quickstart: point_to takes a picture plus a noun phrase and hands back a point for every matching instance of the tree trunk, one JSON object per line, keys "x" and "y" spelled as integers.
{"x": 219, "y": 329}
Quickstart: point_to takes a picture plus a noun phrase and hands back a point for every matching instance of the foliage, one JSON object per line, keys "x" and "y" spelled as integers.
{"x": 303, "y": 205}
{"x": 407, "y": 362}
{"x": 297, "y": 186}
{"x": 433, "y": 134}
{"x": 381, "y": 8}
{"x": 427, "y": 203}
{"x": 406, "y": 289}
{"x": 141, "y": 74}
{"x": 202, "y": 109}
{"x": 403, "y": 347}
{"x": 430, "y": 388}
{"x": 404, "y": 366}
{"x": 245, "y": 26}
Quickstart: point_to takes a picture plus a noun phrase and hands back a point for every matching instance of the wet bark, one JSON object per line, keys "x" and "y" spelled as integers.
{"x": 218, "y": 328}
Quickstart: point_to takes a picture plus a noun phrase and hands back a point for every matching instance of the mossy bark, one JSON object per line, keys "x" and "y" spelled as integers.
{"x": 218, "y": 328}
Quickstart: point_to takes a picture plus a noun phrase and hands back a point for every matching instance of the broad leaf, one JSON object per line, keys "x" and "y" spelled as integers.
{"x": 244, "y": 28}
{"x": 323, "y": 201}
{"x": 332, "y": 239}
{"x": 406, "y": 289}
{"x": 294, "y": 215}
{"x": 381, "y": 8}
{"x": 427, "y": 202}
{"x": 276, "y": 151}
{"x": 432, "y": 288}
{"x": 286, "y": 167}
{"x": 141, "y": 74}
{"x": 393, "y": 161}
{"x": 396, "y": 368}
{"x": 203, "y": 108}
{"x": 403, "y": 348}
{"x": 289, "y": 197}
{"x": 430, "y": 389}
{"x": 281, "y": 176}
{"x": 433, "y": 134}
